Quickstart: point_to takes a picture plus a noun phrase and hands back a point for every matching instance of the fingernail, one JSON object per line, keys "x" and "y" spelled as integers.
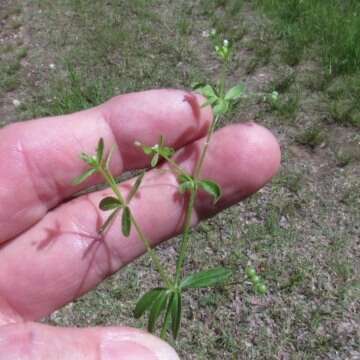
{"x": 135, "y": 345}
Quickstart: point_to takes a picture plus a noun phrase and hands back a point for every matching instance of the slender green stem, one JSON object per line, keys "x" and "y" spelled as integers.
{"x": 186, "y": 237}
{"x": 222, "y": 79}
{"x": 177, "y": 167}
{"x": 185, "y": 243}
{"x": 112, "y": 183}
{"x": 200, "y": 162}
{"x": 152, "y": 253}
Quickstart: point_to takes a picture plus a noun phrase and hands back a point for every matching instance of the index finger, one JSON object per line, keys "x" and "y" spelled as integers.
{"x": 40, "y": 158}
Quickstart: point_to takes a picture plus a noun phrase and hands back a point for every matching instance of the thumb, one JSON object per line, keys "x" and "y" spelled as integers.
{"x": 37, "y": 341}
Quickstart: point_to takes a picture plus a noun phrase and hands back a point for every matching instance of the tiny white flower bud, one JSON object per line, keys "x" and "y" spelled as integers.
{"x": 226, "y": 43}
{"x": 205, "y": 33}
{"x": 16, "y": 102}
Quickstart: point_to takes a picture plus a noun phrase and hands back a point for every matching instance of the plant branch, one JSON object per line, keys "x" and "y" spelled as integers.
{"x": 186, "y": 236}
{"x": 185, "y": 243}
{"x": 112, "y": 183}
{"x": 177, "y": 167}
{"x": 200, "y": 162}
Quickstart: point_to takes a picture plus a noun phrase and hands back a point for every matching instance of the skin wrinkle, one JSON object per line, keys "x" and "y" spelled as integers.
{"x": 8, "y": 313}
{"x": 106, "y": 120}
{"x": 28, "y": 168}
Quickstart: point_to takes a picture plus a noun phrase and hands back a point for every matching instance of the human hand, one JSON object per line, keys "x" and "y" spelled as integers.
{"x": 51, "y": 252}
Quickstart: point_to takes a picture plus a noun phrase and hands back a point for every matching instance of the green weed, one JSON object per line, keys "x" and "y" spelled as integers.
{"x": 165, "y": 302}
{"x": 9, "y": 76}
{"x": 286, "y": 106}
{"x": 312, "y": 137}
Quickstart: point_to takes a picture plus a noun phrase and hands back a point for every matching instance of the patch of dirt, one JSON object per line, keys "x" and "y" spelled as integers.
{"x": 11, "y": 38}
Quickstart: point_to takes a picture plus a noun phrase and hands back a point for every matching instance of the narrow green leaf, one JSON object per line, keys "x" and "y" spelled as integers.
{"x": 100, "y": 150}
{"x": 221, "y": 107}
{"x": 90, "y": 160}
{"x": 208, "y": 91}
{"x": 166, "y": 151}
{"x": 145, "y": 302}
{"x": 147, "y": 150}
{"x": 79, "y": 179}
{"x": 187, "y": 185}
{"x": 211, "y": 187}
{"x": 176, "y": 314}
{"x": 109, "y": 203}
{"x": 108, "y": 221}
{"x": 210, "y": 101}
{"x": 126, "y": 221}
{"x": 207, "y": 278}
{"x": 167, "y": 317}
{"x": 197, "y": 85}
{"x": 135, "y": 187}
{"x": 157, "y": 307}
{"x": 184, "y": 177}
{"x": 235, "y": 92}
{"x": 155, "y": 160}
{"x": 109, "y": 157}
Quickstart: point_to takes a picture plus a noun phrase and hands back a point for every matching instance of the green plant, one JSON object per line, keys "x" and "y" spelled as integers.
{"x": 312, "y": 137}
{"x": 285, "y": 106}
{"x": 166, "y": 301}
